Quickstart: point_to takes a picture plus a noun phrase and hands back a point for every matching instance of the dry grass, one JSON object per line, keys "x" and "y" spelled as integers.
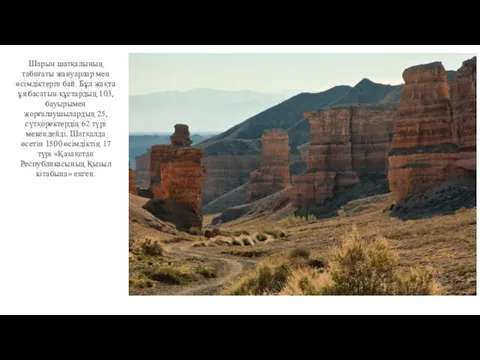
{"x": 358, "y": 267}
{"x": 446, "y": 244}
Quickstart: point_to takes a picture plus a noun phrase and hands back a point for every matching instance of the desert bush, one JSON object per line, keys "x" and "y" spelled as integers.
{"x": 276, "y": 234}
{"x": 195, "y": 231}
{"x": 248, "y": 242}
{"x": 306, "y": 281}
{"x": 262, "y": 237}
{"x": 238, "y": 242}
{"x": 209, "y": 234}
{"x": 264, "y": 281}
{"x": 168, "y": 275}
{"x": 342, "y": 212}
{"x": 207, "y": 272}
{"x": 142, "y": 283}
{"x": 241, "y": 232}
{"x": 151, "y": 248}
{"x": 301, "y": 253}
{"x": 216, "y": 232}
{"x": 361, "y": 267}
{"x": 293, "y": 221}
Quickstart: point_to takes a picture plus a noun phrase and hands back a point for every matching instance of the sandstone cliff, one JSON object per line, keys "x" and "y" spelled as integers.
{"x": 142, "y": 170}
{"x": 132, "y": 188}
{"x": 344, "y": 143}
{"x": 274, "y": 173}
{"x": 225, "y": 173}
{"x": 434, "y": 138}
{"x": 177, "y": 177}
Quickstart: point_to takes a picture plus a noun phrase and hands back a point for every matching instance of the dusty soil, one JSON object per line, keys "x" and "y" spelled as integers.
{"x": 445, "y": 242}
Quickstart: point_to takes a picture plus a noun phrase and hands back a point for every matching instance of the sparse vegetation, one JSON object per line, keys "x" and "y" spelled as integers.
{"x": 195, "y": 231}
{"x": 358, "y": 267}
{"x": 301, "y": 253}
{"x": 262, "y": 237}
{"x": 169, "y": 275}
{"x": 207, "y": 272}
{"x": 237, "y": 242}
{"x": 151, "y": 248}
{"x": 241, "y": 232}
{"x": 276, "y": 234}
{"x": 293, "y": 221}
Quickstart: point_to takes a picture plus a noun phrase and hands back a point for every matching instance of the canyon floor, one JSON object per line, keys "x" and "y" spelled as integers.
{"x": 166, "y": 262}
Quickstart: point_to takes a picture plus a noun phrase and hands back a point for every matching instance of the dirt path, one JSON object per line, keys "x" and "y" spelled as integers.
{"x": 233, "y": 267}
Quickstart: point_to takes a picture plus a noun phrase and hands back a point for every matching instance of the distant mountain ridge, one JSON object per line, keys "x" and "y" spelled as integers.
{"x": 203, "y": 109}
{"x": 244, "y": 138}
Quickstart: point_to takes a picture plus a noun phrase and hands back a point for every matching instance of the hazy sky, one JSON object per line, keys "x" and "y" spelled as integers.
{"x": 272, "y": 72}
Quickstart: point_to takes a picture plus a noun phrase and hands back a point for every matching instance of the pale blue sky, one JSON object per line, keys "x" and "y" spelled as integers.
{"x": 272, "y": 72}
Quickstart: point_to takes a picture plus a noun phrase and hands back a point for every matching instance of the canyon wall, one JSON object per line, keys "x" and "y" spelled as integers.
{"x": 274, "y": 173}
{"x": 177, "y": 174}
{"x": 132, "y": 188}
{"x": 344, "y": 144}
{"x": 142, "y": 170}
{"x": 225, "y": 173}
{"x": 435, "y": 134}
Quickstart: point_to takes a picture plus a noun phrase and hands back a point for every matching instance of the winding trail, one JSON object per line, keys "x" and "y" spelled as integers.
{"x": 234, "y": 267}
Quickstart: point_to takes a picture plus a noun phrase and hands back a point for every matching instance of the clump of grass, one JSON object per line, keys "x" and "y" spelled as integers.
{"x": 276, "y": 234}
{"x": 207, "y": 272}
{"x": 262, "y": 237}
{"x": 238, "y": 242}
{"x": 293, "y": 221}
{"x": 209, "y": 234}
{"x": 241, "y": 233}
{"x": 216, "y": 232}
{"x": 342, "y": 212}
{"x": 141, "y": 283}
{"x": 248, "y": 242}
{"x": 151, "y": 248}
{"x": 195, "y": 231}
{"x": 359, "y": 266}
{"x": 300, "y": 253}
{"x": 362, "y": 267}
{"x": 264, "y": 281}
{"x": 200, "y": 244}
{"x": 168, "y": 275}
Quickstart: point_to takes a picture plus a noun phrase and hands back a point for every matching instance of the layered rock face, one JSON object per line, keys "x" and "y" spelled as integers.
{"x": 225, "y": 173}
{"x": 371, "y": 135}
{"x": 142, "y": 170}
{"x": 178, "y": 175}
{"x": 344, "y": 143}
{"x": 463, "y": 94}
{"x": 132, "y": 188}
{"x": 274, "y": 174}
{"x": 434, "y": 138}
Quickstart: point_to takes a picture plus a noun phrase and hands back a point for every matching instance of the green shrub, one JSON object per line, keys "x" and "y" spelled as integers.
{"x": 262, "y": 237}
{"x": 207, "y": 272}
{"x": 241, "y": 232}
{"x": 362, "y": 267}
{"x": 151, "y": 248}
{"x": 237, "y": 242}
{"x": 209, "y": 234}
{"x": 265, "y": 281}
{"x": 168, "y": 275}
{"x": 195, "y": 231}
{"x": 216, "y": 232}
{"x": 300, "y": 253}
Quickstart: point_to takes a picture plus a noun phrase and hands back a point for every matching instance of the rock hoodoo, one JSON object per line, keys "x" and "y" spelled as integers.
{"x": 434, "y": 138}
{"x": 344, "y": 144}
{"x": 142, "y": 170}
{"x": 274, "y": 173}
{"x": 132, "y": 188}
{"x": 177, "y": 175}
